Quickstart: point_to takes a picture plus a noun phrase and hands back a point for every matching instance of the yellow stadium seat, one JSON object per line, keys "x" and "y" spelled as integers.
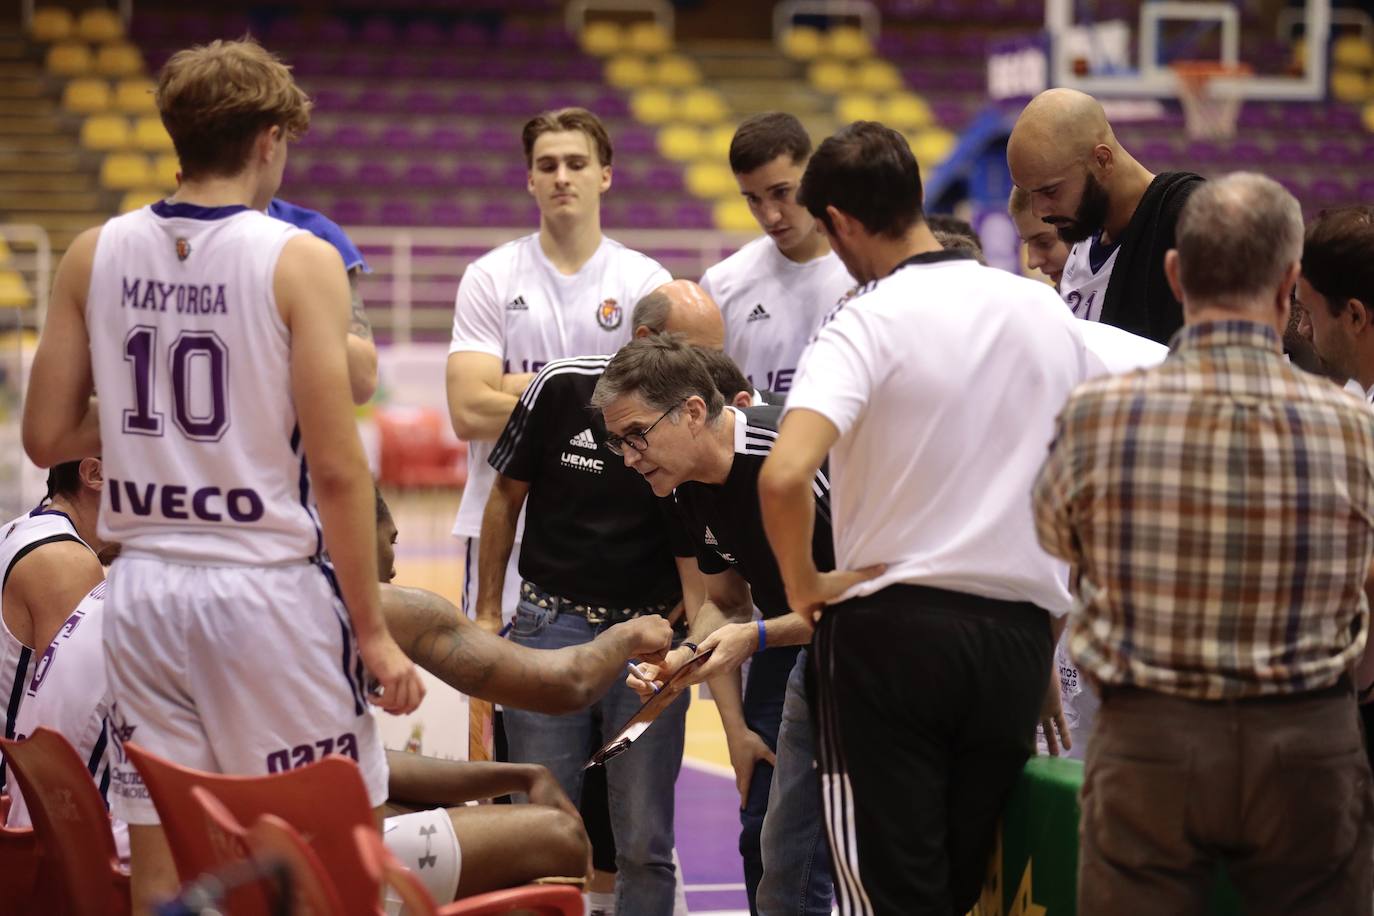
{"x": 69, "y": 59}
{"x": 932, "y": 147}
{"x": 733, "y": 215}
{"x": 652, "y": 106}
{"x": 166, "y": 168}
{"x": 628, "y": 71}
{"x": 1352, "y": 51}
{"x": 848, "y": 43}
{"x": 681, "y": 142}
{"x": 718, "y": 141}
{"x": 830, "y": 76}
{"x": 1349, "y": 86}
{"x": 676, "y": 70}
{"x": 1368, "y": 117}
{"x": 878, "y": 76}
{"x": 119, "y": 60}
{"x": 86, "y": 96}
{"x": 99, "y": 25}
{"x": 50, "y": 24}
{"x": 5, "y": 253}
{"x": 858, "y": 107}
{"x": 14, "y": 292}
{"x": 905, "y": 111}
{"x": 123, "y": 171}
{"x": 802, "y": 43}
{"x": 704, "y": 106}
{"x": 106, "y": 132}
{"x": 150, "y": 136}
{"x": 602, "y": 39}
{"x": 710, "y": 178}
{"x": 139, "y": 198}
{"x": 648, "y": 38}
{"x": 135, "y": 96}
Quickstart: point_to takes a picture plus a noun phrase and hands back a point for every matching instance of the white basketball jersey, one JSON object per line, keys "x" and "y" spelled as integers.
{"x": 772, "y": 307}
{"x": 1083, "y": 288}
{"x": 68, "y": 693}
{"x": 201, "y": 449}
{"x": 514, "y": 304}
{"x": 20, "y": 537}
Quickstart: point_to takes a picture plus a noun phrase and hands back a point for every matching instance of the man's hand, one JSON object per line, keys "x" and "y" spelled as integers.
{"x": 400, "y": 689}
{"x": 543, "y": 789}
{"x": 650, "y": 637}
{"x": 732, "y": 644}
{"x": 746, "y": 750}
{"x": 810, "y": 598}
{"x": 658, "y": 674}
{"x": 1052, "y": 717}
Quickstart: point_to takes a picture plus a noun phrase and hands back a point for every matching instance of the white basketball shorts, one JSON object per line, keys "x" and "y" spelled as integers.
{"x": 510, "y": 591}
{"x": 232, "y": 669}
{"x": 426, "y": 844}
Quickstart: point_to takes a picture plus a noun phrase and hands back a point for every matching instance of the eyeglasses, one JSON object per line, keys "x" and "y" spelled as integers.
{"x": 638, "y": 441}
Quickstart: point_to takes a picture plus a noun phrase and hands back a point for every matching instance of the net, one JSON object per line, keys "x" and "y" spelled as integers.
{"x": 1208, "y": 115}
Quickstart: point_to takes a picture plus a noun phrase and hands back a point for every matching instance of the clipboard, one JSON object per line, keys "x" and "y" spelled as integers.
{"x": 639, "y": 723}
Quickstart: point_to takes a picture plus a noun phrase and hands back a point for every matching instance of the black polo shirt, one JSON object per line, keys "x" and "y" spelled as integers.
{"x": 594, "y": 531}
{"x": 726, "y": 523}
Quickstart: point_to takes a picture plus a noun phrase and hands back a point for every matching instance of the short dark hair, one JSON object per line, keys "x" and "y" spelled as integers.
{"x": 867, "y": 171}
{"x": 1236, "y": 237}
{"x": 1338, "y": 256}
{"x": 725, "y": 372}
{"x": 961, "y": 241}
{"x": 663, "y": 371}
{"x": 64, "y": 479}
{"x": 552, "y": 122}
{"x": 761, "y": 138}
{"x": 948, "y": 222}
{"x": 652, "y": 312}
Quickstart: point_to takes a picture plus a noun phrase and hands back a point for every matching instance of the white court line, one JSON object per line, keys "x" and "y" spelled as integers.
{"x": 705, "y": 766}
{"x": 704, "y": 888}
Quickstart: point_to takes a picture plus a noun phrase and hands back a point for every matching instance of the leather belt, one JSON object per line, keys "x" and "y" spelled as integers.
{"x": 594, "y": 613}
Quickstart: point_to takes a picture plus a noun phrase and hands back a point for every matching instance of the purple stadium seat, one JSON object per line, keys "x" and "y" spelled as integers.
{"x": 397, "y": 213}
{"x": 469, "y": 35}
{"x": 424, "y": 102}
{"x": 610, "y": 105}
{"x": 1290, "y": 152}
{"x": 517, "y": 34}
{"x": 554, "y": 37}
{"x": 448, "y": 213}
{"x": 375, "y": 100}
{"x": 511, "y": 105}
{"x": 1328, "y": 192}
{"x": 513, "y": 174}
{"x": 495, "y": 140}
{"x": 356, "y": 66}
{"x": 348, "y": 212}
{"x": 1336, "y": 153}
{"x": 692, "y": 214}
{"x": 377, "y": 31}
{"x": 469, "y": 175}
{"x": 1247, "y": 153}
{"x": 373, "y": 174}
{"x": 663, "y": 178}
{"x": 634, "y": 140}
{"x": 423, "y": 175}
{"x": 351, "y": 136}
{"x": 1203, "y": 153}
{"x": 398, "y": 136}
{"x": 1342, "y": 117}
{"x": 446, "y": 139}
{"x": 324, "y": 173}
{"x": 331, "y": 100}
{"x": 498, "y": 213}
{"x": 1364, "y": 192}
{"x": 424, "y": 33}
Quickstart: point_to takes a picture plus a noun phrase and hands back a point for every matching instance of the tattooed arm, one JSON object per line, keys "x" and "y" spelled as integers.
{"x": 362, "y": 352}
{"x": 437, "y": 636}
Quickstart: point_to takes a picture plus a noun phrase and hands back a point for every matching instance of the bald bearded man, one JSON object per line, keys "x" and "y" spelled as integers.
{"x": 1118, "y": 216}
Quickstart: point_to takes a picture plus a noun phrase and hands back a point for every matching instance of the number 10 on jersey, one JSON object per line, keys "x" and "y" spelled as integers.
{"x": 199, "y": 363}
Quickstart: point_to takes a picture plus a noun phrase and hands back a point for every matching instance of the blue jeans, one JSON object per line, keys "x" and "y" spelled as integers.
{"x": 796, "y": 858}
{"x": 639, "y": 782}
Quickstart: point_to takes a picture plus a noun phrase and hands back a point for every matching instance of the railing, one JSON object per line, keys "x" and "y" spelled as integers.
{"x": 870, "y": 20}
{"x": 31, "y": 257}
{"x": 576, "y": 15}
{"x": 415, "y": 272}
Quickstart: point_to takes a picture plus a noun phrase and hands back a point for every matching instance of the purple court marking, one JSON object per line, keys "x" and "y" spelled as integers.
{"x": 708, "y": 840}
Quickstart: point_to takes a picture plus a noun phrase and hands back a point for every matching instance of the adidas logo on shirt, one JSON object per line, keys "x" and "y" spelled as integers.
{"x": 584, "y": 440}
{"x": 710, "y": 538}
{"x": 517, "y": 304}
{"x": 759, "y": 313}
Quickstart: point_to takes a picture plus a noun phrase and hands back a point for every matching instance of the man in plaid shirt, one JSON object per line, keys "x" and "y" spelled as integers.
{"x": 1218, "y": 512}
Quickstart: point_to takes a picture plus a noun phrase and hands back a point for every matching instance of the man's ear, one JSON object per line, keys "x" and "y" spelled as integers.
{"x": 1171, "y": 273}
{"x": 1358, "y": 314}
{"x": 742, "y": 399}
{"x": 92, "y": 473}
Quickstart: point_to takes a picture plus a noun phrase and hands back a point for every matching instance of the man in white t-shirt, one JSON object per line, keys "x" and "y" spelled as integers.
{"x": 933, "y": 667}
{"x": 564, "y": 291}
{"x": 774, "y": 291}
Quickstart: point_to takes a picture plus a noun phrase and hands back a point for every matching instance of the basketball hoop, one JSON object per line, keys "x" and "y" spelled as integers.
{"x": 1207, "y": 115}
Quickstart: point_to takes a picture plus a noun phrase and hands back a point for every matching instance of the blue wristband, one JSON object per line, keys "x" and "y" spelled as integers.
{"x": 763, "y": 637}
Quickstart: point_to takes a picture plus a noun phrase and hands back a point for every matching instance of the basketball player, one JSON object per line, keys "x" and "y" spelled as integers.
{"x": 563, "y": 291}
{"x": 774, "y": 291}
{"x": 1045, "y": 250}
{"x": 1118, "y": 216}
{"x": 222, "y": 368}
{"x": 48, "y": 557}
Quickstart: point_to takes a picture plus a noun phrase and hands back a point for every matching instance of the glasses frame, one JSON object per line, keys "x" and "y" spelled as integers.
{"x": 616, "y": 443}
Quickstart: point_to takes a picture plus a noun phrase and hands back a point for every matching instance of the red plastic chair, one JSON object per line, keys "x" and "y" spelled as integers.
{"x": 271, "y": 839}
{"x": 386, "y": 869}
{"x": 324, "y": 801}
{"x": 70, "y": 823}
{"x": 418, "y": 450}
{"x": 20, "y": 857}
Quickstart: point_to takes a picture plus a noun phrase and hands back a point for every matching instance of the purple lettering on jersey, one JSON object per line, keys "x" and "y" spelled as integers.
{"x": 781, "y": 381}
{"x": 527, "y": 365}
{"x": 200, "y": 504}
{"x": 326, "y": 746}
{"x": 149, "y": 297}
{"x": 112, "y": 487}
{"x": 142, "y": 506}
{"x": 40, "y": 670}
{"x": 166, "y": 291}
{"x": 129, "y": 298}
{"x": 174, "y": 502}
{"x": 302, "y": 754}
{"x": 233, "y": 500}
{"x": 192, "y": 298}
{"x": 206, "y": 345}
{"x": 348, "y": 745}
{"x": 278, "y": 762}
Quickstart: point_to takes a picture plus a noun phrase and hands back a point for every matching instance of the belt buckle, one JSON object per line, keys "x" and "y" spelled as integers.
{"x": 596, "y": 616}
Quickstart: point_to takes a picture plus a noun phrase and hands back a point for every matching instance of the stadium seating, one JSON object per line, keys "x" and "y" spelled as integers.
{"x": 70, "y": 823}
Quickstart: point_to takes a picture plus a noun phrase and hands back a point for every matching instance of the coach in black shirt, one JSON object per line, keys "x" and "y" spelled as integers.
{"x": 598, "y": 548}
{"x": 708, "y": 455}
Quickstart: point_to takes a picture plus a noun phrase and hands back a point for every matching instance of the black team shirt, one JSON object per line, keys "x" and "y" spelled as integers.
{"x": 594, "y": 531}
{"x": 726, "y": 524}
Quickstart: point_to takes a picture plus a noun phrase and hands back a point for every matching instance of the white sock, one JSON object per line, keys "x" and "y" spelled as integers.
{"x": 599, "y": 904}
